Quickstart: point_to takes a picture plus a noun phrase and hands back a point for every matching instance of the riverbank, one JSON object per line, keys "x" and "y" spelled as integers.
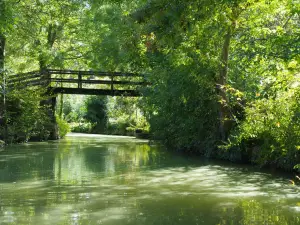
{"x": 103, "y": 136}
{"x": 248, "y": 154}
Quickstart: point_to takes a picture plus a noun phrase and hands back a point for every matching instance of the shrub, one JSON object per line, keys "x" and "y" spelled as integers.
{"x": 25, "y": 117}
{"x": 96, "y": 113}
{"x": 81, "y": 127}
{"x": 2, "y": 143}
{"x": 270, "y": 133}
{"x": 63, "y": 127}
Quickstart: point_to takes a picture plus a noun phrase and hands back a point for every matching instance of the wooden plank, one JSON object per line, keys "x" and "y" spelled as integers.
{"x": 23, "y": 74}
{"x": 26, "y": 84}
{"x": 90, "y": 73}
{"x": 83, "y": 91}
{"x": 59, "y": 80}
{"x": 21, "y": 79}
{"x": 75, "y": 72}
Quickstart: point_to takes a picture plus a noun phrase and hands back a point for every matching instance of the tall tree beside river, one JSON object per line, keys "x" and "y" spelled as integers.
{"x": 219, "y": 67}
{"x": 2, "y": 46}
{"x": 5, "y": 22}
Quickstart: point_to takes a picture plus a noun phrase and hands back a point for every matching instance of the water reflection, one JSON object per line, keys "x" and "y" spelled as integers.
{"x": 105, "y": 180}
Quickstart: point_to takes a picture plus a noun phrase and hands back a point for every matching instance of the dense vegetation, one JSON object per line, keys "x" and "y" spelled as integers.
{"x": 103, "y": 114}
{"x": 224, "y": 74}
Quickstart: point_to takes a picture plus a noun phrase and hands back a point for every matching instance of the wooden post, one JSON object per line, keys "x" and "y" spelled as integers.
{"x": 112, "y": 84}
{"x": 54, "y": 127}
{"x": 61, "y": 106}
{"x": 50, "y": 104}
{"x": 45, "y": 78}
{"x": 79, "y": 80}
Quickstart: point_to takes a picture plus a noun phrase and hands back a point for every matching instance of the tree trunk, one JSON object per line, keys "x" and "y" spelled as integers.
{"x": 3, "y": 116}
{"x": 2, "y": 47}
{"x": 225, "y": 115}
{"x": 61, "y": 106}
{"x": 49, "y": 103}
{"x": 2, "y": 41}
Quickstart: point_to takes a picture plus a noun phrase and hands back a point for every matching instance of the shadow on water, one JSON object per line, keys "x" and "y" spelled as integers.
{"x": 119, "y": 180}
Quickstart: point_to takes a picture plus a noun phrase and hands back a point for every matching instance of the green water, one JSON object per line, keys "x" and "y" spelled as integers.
{"x": 113, "y": 180}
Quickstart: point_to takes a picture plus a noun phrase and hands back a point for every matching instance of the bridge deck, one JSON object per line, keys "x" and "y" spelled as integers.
{"x": 85, "y": 91}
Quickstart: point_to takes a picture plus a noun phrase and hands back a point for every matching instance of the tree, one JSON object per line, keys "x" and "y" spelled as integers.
{"x": 4, "y": 27}
{"x": 46, "y": 34}
{"x": 208, "y": 61}
{"x": 96, "y": 113}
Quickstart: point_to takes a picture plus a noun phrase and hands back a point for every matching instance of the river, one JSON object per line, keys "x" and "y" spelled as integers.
{"x": 94, "y": 179}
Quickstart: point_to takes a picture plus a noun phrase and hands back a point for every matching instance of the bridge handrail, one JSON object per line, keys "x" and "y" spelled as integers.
{"x": 23, "y": 78}
{"x": 89, "y": 73}
{"x": 24, "y": 74}
{"x": 61, "y": 80}
{"x": 54, "y": 79}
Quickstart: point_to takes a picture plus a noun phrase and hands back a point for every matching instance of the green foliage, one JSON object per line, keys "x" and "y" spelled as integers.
{"x": 180, "y": 57}
{"x": 74, "y": 108}
{"x": 183, "y": 112}
{"x": 25, "y": 117}
{"x": 2, "y": 144}
{"x": 119, "y": 128}
{"x": 46, "y": 32}
{"x": 125, "y": 116}
{"x": 297, "y": 168}
{"x": 63, "y": 127}
{"x": 81, "y": 127}
{"x": 182, "y": 45}
{"x": 271, "y": 130}
{"x": 122, "y": 115}
{"x": 96, "y": 113}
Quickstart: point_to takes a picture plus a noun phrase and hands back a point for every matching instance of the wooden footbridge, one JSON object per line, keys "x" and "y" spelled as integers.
{"x": 81, "y": 82}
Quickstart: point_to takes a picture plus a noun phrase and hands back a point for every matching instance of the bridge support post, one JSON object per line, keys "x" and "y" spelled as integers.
{"x": 50, "y": 105}
{"x": 112, "y": 84}
{"x": 54, "y": 128}
{"x": 79, "y": 80}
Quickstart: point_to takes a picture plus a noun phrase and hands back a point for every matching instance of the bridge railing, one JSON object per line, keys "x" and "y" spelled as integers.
{"x": 24, "y": 80}
{"x": 62, "y": 80}
{"x": 91, "y": 78}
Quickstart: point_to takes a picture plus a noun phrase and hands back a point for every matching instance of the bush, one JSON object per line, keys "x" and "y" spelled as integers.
{"x": 63, "y": 127}
{"x": 183, "y": 110}
{"x": 96, "y": 113}
{"x": 270, "y": 133}
{"x": 81, "y": 127}
{"x": 2, "y": 143}
{"x": 119, "y": 128}
{"x": 25, "y": 117}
